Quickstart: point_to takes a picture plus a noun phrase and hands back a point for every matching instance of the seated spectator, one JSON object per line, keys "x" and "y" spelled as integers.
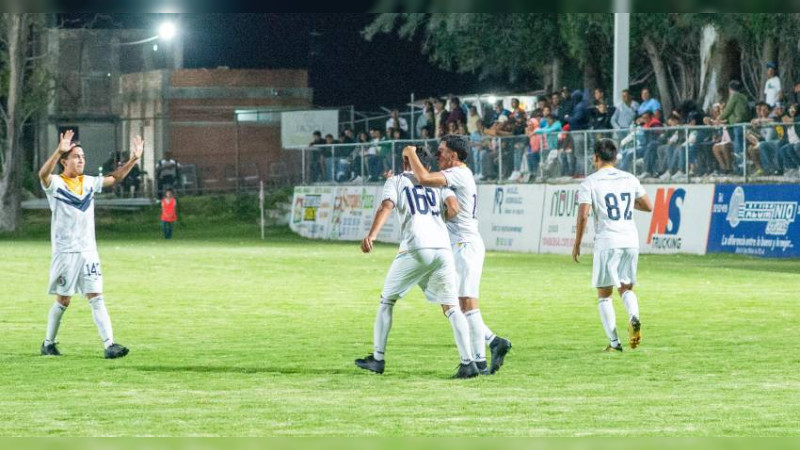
{"x": 676, "y": 164}
{"x": 440, "y": 115}
{"x": 668, "y": 145}
{"x": 789, "y": 153}
{"x": 397, "y": 123}
{"x": 346, "y": 136}
{"x": 359, "y": 167}
{"x": 426, "y": 119}
{"x": 764, "y": 151}
{"x": 625, "y": 112}
{"x": 649, "y": 104}
{"x": 456, "y": 112}
{"x": 536, "y": 140}
{"x": 736, "y": 111}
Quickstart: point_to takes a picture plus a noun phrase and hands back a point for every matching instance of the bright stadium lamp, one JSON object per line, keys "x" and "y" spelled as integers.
{"x": 166, "y": 32}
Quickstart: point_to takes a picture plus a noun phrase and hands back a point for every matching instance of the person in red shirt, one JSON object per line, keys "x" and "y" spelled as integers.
{"x": 169, "y": 213}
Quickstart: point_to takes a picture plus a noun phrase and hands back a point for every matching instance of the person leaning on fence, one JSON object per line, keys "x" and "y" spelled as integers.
{"x": 789, "y": 153}
{"x": 735, "y": 112}
{"x": 169, "y": 212}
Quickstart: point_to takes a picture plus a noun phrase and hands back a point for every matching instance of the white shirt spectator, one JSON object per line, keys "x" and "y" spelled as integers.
{"x": 403, "y": 124}
{"x": 772, "y": 89}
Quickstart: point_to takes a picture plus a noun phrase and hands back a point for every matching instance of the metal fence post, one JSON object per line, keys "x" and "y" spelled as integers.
{"x": 686, "y": 151}
{"x": 586, "y": 154}
{"x": 744, "y": 153}
{"x": 635, "y": 146}
{"x": 303, "y": 157}
{"x": 500, "y": 160}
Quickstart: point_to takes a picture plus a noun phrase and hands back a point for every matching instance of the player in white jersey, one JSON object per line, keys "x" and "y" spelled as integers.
{"x": 75, "y": 265}
{"x": 424, "y": 259}
{"x": 612, "y": 194}
{"x": 461, "y": 199}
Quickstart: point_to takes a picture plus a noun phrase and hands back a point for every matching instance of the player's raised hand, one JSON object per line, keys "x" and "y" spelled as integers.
{"x": 65, "y": 141}
{"x": 576, "y": 253}
{"x": 366, "y": 244}
{"x": 409, "y": 150}
{"x": 138, "y": 147}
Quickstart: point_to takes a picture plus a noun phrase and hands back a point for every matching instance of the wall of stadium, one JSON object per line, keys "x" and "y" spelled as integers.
{"x": 749, "y": 219}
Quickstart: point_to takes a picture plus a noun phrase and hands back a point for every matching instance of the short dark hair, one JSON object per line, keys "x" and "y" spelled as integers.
{"x": 606, "y": 150}
{"x": 72, "y": 146}
{"x": 735, "y": 85}
{"x": 317, "y": 133}
{"x": 457, "y": 144}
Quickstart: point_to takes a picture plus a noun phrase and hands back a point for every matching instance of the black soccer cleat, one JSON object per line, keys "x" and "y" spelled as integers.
{"x": 467, "y": 371}
{"x": 483, "y": 368}
{"x": 50, "y": 349}
{"x": 116, "y": 351}
{"x": 499, "y": 348}
{"x": 612, "y": 349}
{"x": 370, "y": 363}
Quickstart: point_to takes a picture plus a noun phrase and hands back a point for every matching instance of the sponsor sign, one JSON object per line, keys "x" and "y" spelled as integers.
{"x": 680, "y": 219}
{"x": 311, "y": 211}
{"x": 509, "y": 216}
{"x": 560, "y": 214}
{"x": 759, "y": 220}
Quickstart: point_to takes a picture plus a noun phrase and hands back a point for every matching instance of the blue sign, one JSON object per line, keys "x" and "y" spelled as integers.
{"x": 760, "y": 220}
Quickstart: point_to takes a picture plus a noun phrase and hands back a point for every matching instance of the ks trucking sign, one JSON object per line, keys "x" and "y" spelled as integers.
{"x": 679, "y": 221}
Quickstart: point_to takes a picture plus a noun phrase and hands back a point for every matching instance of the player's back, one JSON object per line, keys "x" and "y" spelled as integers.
{"x": 612, "y": 194}
{"x": 464, "y": 226}
{"x": 419, "y": 210}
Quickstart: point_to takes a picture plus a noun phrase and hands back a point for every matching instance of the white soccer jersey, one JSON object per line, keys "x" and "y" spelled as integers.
{"x": 612, "y": 193}
{"x": 419, "y": 209}
{"x": 72, "y": 220}
{"x": 464, "y": 226}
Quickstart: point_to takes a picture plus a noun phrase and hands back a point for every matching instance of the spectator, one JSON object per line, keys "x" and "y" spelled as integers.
{"x": 541, "y": 102}
{"x": 797, "y": 93}
{"x": 359, "y": 165}
{"x": 789, "y": 153}
{"x": 316, "y": 159}
{"x": 346, "y": 137}
{"x": 440, "y": 115}
{"x": 764, "y": 142}
{"x": 600, "y": 118}
{"x": 578, "y": 122}
{"x": 396, "y": 122}
{"x": 498, "y": 114}
{"x": 169, "y": 212}
{"x": 566, "y": 105}
{"x": 167, "y": 173}
{"x": 668, "y": 145}
{"x": 648, "y": 148}
{"x": 426, "y": 119}
{"x": 735, "y": 112}
{"x": 456, "y": 113}
{"x": 599, "y": 96}
{"x": 539, "y": 118}
{"x": 649, "y": 104}
{"x": 773, "y": 92}
{"x": 132, "y": 183}
{"x": 550, "y": 133}
{"x": 517, "y": 122}
{"x": 687, "y": 149}
{"x": 625, "y": 113}
{"x": 555, "y": 104}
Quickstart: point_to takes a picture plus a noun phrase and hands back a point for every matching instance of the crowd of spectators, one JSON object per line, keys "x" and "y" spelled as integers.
{"x": 549, "y": 139}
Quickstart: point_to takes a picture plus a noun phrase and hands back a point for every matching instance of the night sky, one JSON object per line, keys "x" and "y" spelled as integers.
{"x": 344, "y": 68}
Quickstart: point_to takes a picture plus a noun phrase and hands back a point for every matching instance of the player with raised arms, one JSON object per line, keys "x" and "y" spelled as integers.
{"x": 461, "y": 200}
{"x": 612, "y": 194}
{"x": 424, "y": 259}
{"x": 75, "y": 265}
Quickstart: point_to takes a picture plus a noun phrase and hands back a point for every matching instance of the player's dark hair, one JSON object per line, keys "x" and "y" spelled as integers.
{"x": 457, "y": 144}
{"x": 606, "y": 150}
{"x": 73, "y": 145}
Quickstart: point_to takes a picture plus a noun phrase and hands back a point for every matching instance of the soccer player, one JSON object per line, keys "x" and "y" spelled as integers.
{"x": 611, "y": 194}
{"x": 424, "y": 259}
{"x": 461, "y": 199}
{"x": 75, "y": 266}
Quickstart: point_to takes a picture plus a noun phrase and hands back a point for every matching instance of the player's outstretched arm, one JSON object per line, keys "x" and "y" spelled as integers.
{"x": 580, "y": 227}
{"x": 123, "y": 170}
{"x": 381, "y": 216}
{"x": 64, "y": 145}
{"x": 453, "y": 208}
{"x": 643, "y": 204}
{"x": 425, "y": 178}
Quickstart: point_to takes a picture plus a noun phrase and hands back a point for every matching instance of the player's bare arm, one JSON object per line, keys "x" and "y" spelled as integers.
{"x": 453, "y": 208}
{"x": 643, "y": 204}
{"x": 580, "y": 227}
{"x": 381, "y": 216}
{"x": 121, "y": 172}
{"x": 64, "y": 145}
{"x": 425, "y": 178}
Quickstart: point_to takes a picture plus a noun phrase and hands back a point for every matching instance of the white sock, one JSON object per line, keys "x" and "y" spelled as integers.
{"x": 488, "y": 335}
{"x": 609, "y": 320}
{"x": 631, "y": 304}
{"x": 53, "y": 322}
{"x": 101, "y": 319}
{"x": 383, "y": 323}
{"x": 476, "y": 334}
{"x": 461, "y": 333}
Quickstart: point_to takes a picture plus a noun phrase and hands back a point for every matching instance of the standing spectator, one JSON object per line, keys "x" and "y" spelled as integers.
{"x": 735, "y": 112}
{"x": 346, "y": 137}
{"x": 316, "y": 160}
{"x": 578, "y": 122}
{"x": 600, "y": 118}
{"x": 456, "y": 113}
{"x": 475, "y": 130}
{"x": 765, "y": 142}
{"x": 396, "y": 122}
{"x": 773, "y": 92}
{"x": 440, "y": 115}
{"x": 555, "y": 104}
{"x": 425, "y": 119}
{"x": 789, "y": 153}
{"x": 169, "y": 212}
{"x": 566, "y": 105}
{"x": 668, "y": 145}
{"x": 167, "y": 172}
{"x": 649, "y": 104}
{"x": 648, "y": 148}
{"x": 518, "y": 122}
{"x": 625, "y": 113}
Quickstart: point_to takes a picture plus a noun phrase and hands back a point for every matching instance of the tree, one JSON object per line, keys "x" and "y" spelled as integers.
{"x": 23, "y": 87}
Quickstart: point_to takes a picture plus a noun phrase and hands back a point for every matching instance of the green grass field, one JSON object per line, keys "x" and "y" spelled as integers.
{"x": 236, "y": 336}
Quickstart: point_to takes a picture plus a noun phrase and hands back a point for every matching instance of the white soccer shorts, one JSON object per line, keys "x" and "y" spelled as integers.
{"x": 75, "y": 273}
{"x": 614, "y": 267}
{"x": 432, "y": 269}
{"x": 469, "y": 267}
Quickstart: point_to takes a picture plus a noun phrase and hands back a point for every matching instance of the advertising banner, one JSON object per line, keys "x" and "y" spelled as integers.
{"x": 510, "y": 216}
{"x": 680, "y": 219}
{"x": 558, "y": 221}
{"x": 759, "y": 220}
{"x": 311, "y": 211}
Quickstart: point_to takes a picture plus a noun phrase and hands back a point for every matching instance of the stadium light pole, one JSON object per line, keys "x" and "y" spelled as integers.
{"x": 167, "y": 32}
{"x": 622, "y": 32}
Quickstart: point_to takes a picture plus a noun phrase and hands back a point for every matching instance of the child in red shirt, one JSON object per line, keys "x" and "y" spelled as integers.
{"x": 169, "y": 213}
